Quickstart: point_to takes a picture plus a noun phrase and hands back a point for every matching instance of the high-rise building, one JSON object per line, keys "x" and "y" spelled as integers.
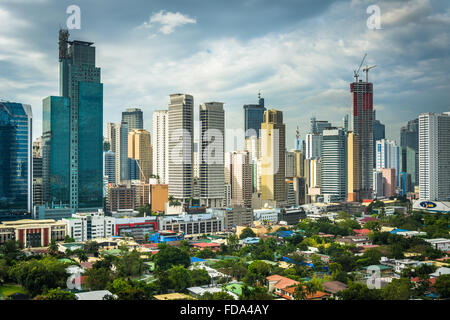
{"x": 160, "y": 145}
{"x": 352, "y": 167}
{"x": 313, "y": 145}
{"x": 409, "y": 139}
{"x": 118, "y": 135}
{"x": 134, "y": 119}
{"x": 73, "y": 129}
{"x": 16, "y": 167}
{"x": 378, "y": 134}
{"x": 273, "y": 148}
{"x": 317, "y": 126}
{"x": 334, "y": 164}
{"x": 181, "y": 129}
{"x": 389, "y": 181}
{"x": 291, "y": 165}
{"x": 252, "y": 145}
{"x": 238, "y": 168}
{"x": 434, "y": 156}
{"x": 388, "y": 156}
{"x": 38, "y": 198}
{"x": 211, "y": 154}
{"x": 140, "y": 149}
{"x": 362, "y": 112}
{"x": 109, "y": 166}
{"x": 254, "y": 114}
{"x": 378, "y": 186}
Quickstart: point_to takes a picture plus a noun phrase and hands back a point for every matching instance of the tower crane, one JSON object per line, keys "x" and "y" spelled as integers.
{"x": 366, "y": 70}
{"x": 356, "y": 72}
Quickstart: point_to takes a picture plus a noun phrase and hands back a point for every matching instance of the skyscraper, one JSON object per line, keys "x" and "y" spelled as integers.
{"x": 140, "y": 149}
{"x": 273, "y": 148}
{"x": 211, "y": 154}
{"x": 73, "y": 129}
{"x": 362, "y": 111}
{"x": 334, "y": 165}
{"x": 134, "y": 118}
{"x": 409, "y": 143}
{"x": 378, "y": 134}
{"x": 313, "y": 145}
{"x": 118, "y": 135}
{"x": 434, "y": 156}
{"x": 109, "y": 166}
{"x": 317, "y": 126}
{"x": 253, "y": 115}
{"x": 388, "y": 156}
{"x": 352, "y": 167}
{"x": 181, "y": 128}
{"x": 239, "y": 176}
{"x": 160, "y": 145}
{"x": 16, "y": 169}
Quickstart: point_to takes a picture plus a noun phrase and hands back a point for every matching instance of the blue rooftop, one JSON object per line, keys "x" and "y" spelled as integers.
{"x": 398, "y": 230}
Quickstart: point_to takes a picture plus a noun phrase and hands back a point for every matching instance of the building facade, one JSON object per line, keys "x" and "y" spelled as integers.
{"x": 160, "y": 145}
{"x": 140, "y": 149}
{"x": 253, "y": 117}
{"x": 134, "y": 119}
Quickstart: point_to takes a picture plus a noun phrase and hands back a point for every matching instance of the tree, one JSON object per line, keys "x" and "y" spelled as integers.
{"x": 359, "y": 291}
{"x": 372, "y": 225}
{"x": 11, "y": 251}
{"x": 257, "y": 272}
{"x": 397, "y": 289}
{"x": 206, "y": 253}
{"x": 130, "y": 264}
{"x": 91, "y": 247}
{"x": 442, "y": 286}
{"x": 38, "y": 276}
{"x": 168, "y": 256}
{"x": 300, "y": 292}
{"x": 68, "y": 239}
{"x": 247, "y": 233}
{"x": 179, "y": 277}
{"x": 98, "y": 278}
{"x": 233, "y": 242}
{"x": 56, "y": 294}
{"x": 126, "y": 290}
{"x": 255, "y": 293}
{"x": 200, "y": 277}
{"x": 53, "y": 247}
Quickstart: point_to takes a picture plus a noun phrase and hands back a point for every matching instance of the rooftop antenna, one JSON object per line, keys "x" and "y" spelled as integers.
{"x": 356, "y": 72}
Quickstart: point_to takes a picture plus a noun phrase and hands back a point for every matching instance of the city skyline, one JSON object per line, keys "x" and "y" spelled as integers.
{"x": 226, "y": 62}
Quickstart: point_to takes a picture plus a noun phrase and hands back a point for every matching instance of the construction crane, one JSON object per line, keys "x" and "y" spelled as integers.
{"x": 356, "y": 72}
{"x": 366, "y": 70}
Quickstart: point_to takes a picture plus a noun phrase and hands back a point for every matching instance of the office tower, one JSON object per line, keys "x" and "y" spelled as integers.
{"x": 73, "y": 129}
{"x": 196, "y": 163}
{"x": 16, "y": 169}
{"x": 254, "y": 114}
{"x": 352, "y": 167}
{"x": 362, "y": 112}
{"x": 160, "y": 145}
{"x": 389, "y": 181}
{"x": 313, "y": 145}
{"x": 239, "y": 177}
{"x": 334, "y": 165}
{"x": 378, "y": 134}
{"x": 181, "y": 129}
{"x": 273, "y": 147}
{"x": 120, "y": 197}
{"x": 134, "y": 119}
{"x": 434, "y": 156}
{"x": 211, "y": 154}
{"x": 299, "y": 163}
{"x": 140, "y": 149}
{"x": 109, "y": 166}
{"x": 37, "y": 147}
{"x": 317, "y": 126}
{"x": 405, "y": 183}
{"x": 118, "y": 133}
{"x": 291, "y": 164}
{"x": 388, "y": 156}
{"x": 409, "y": 143}
{"x": 378, "y": 191}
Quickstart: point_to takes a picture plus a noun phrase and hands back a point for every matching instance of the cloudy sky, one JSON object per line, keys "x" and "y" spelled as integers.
{"x": 300, "y": 54}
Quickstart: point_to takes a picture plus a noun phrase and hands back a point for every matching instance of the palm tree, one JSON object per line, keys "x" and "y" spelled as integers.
{"x": 300, "y": 292}
{"x": 310, "y": 288}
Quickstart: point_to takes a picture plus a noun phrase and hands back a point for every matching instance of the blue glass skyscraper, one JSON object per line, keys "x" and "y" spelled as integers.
{"x": 73, "y": 130}
{"x": 254, "y": 114}
{"x": 16, "y": 176}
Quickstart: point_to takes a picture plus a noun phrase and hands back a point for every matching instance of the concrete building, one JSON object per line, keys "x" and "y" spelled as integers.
{"x": 194, "y": 224}
{"x": 109, "y": 166}
{"x": 388, "y": 156}
{"x": 88, "y": 226}
{"x": 269, "y": 215}
{"x": 334, "y": 164}
{"x": 273, "y": 139}
{"x": 378, "y": 186}
{"x": 181, "y": 129}
{"x": 253, "y": 117}
{"x": 211, "y": 153}
{"x": 32, "y": 233}
{"x": 238, "y": 168}
{"x": 313, "y": 145}
{"x": 363, "y": 115}
{"x": 389, "y": 182}
{"x": 238, "y": 216}
{"x": 160, "y": 145}
{"x": 118, "y": 137}
{"x": 120, "y": 197}
{"x": 291, "y": 164}
{"x": 352, "y": 167}
{"x": 252, "y": 145}
{"x": 159, "y": 195}
{"x": 140, "y": 149}
{"x": 434, "y": 156}
{"x": 317, "y": 126}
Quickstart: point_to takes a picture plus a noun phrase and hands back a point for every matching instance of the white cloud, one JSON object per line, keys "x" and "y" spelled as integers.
{"x": 168, "y": 21}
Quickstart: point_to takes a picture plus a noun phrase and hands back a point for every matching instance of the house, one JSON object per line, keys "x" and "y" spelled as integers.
{"x": 213, "y": 273}
{"x": 197, "y": 292}
{"x": 276, "y": 283}
{"x": 173, "y": 296}
{"x": 94, "y": 295}
{"x": 354, "y": 240}
{"x": 439, "y": 272}
{"x": 440, "y": 243}
{"x": 204, "y": 245}
{"x": 361, "y": 232}
{"x": 334, "y": 287}
{"x": 401, "y": 264}
{"x": 289, "y": 292}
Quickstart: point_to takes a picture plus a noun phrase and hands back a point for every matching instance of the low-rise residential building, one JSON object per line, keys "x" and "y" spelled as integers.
{"x": 202, "y": 223}
{"x": 354, "y": 240}
{"x": 401, "y": 264}
{"x": 197, "y": 292}
{"x": 269, "y": 215}
{"x": 334, "y": 287}
{"x": 440, "y": 243}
